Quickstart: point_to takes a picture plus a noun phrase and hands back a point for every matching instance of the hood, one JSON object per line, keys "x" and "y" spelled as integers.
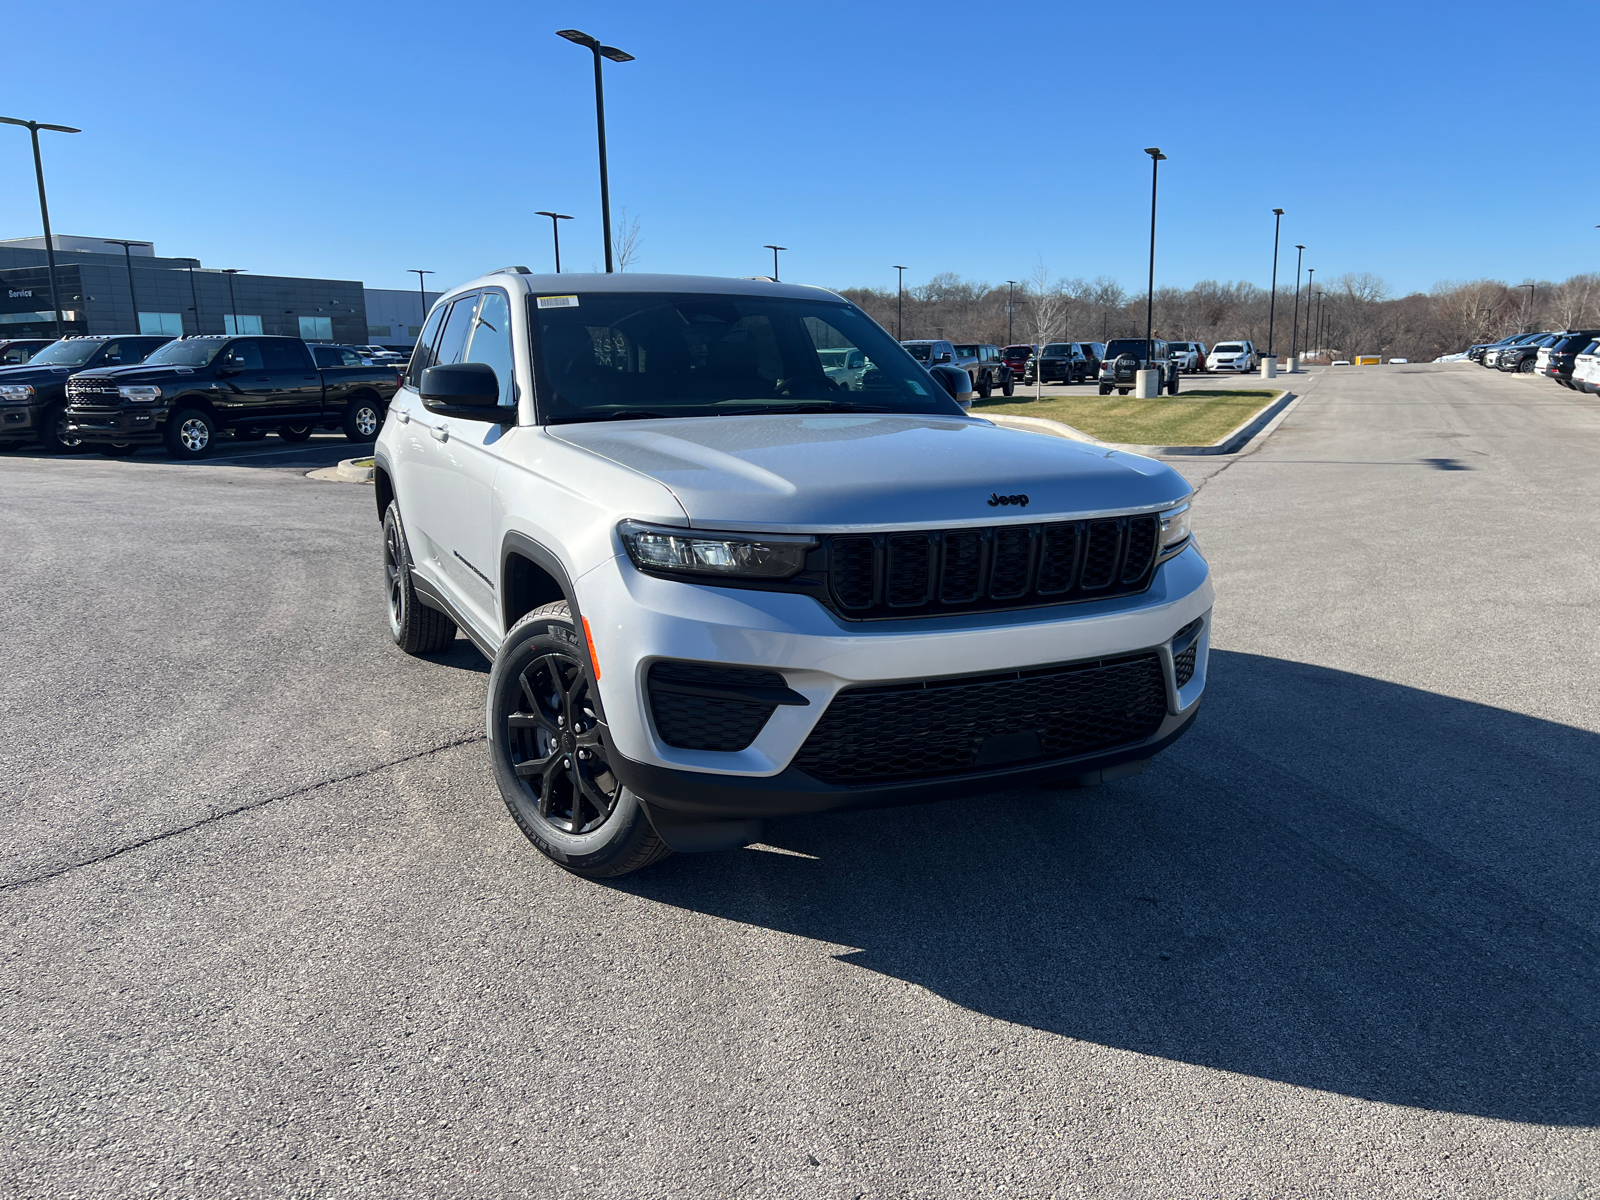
{"x": 28, "y": 373}
{"x": 135, "y": 373}
{"x": 862, "y": 471}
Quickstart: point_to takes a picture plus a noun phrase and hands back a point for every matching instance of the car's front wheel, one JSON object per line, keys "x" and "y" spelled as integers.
{"x": 549, "y": 760}
{"x": 1525, "y": 367}
{"x": 1009, "y": 387}
{"x": 53, "y": 433}
{"x": 190, "y": 434}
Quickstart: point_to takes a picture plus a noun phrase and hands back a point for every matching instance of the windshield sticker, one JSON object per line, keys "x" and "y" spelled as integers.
{"x": 917, "y": 387}
{"x": 558, "y": 302}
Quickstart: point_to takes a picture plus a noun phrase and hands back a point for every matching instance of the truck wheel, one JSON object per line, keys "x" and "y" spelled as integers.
{"x": 544, "y": 741}
{"x": 190, "y": 434}
{"x": 295, "y": 433}
{"x": 1105, "y": 389}
{"x": 120, "y": 450}
{"x": 1123, "y": 391}
{"x": 1009, "y": 387}
{"x": 1172, "y": 387}
{"x": 362, "y": 420}
{"x": 416, "y": 628}
{"x": 53, "y": 435}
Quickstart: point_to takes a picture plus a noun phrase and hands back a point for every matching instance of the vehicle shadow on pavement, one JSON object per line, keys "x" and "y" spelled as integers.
{"x": 1333, "y": 881}
{"x": 322, "y": 450}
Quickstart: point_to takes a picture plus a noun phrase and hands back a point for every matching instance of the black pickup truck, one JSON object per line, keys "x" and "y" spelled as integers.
{"x": 186, "y": 394}
{"x": 33, "y": 396}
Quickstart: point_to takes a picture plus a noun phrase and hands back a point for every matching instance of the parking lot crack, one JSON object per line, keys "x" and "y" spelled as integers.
{"x": 249, "y": 806}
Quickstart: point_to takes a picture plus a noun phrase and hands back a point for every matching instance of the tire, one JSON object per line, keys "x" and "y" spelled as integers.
{"x": 1009, "y": 387}
{"x": 1123, "y": 391}
{"x": 122, "y": 451}
{"x": 1172, "y": 386}
{"x": 362, "y": 420}
{"x": 1525, "y": 367}
{"x": 295, "y": 433}
{"x": 53, "y": 435}
{"x": 985, "y": 385}
{"x": 415, "y": 628}
{"x": 544, "y": 740}
{"x": 190, "y": 434}
{"x": 1105, "y": 389}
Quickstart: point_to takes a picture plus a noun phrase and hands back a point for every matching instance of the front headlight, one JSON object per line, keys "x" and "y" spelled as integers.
{"x": 731, "y": 555}
{"x": 1175, "y": 529}
{"x": 15, "y": 392}
{"x": 140, "y": 393}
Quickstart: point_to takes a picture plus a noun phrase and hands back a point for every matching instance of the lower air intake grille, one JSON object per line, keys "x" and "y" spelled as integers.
{"x": 1183, "y": 662}
{"x": 692, "y": 722}
{"x": 875, "y": 735}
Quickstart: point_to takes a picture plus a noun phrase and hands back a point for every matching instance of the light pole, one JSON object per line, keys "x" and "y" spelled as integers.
{"x": 555, "y": 232}
{"x": 1294, "y": 328}
{"x": 1528, "y": 320}
{"x": 421, "y": 291}
{"x": 127, "y": 254}
{"x": 233, "y": 305}
{"x": 615, "y": 55}
{"x": 774, "y": 249}
{"x": 1311, "y": 278}
{"x": 1011, "y": 306}
{"x": 194, "y": 296}
{"x": 900, "y": 305}
{"x": 1156, "y": 158}
{"x": 1272, "y": 305}
{"x": 33, "y": 128}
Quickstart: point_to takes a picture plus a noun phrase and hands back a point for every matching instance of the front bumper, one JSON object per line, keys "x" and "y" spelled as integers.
{"x": 126, "y": 426}
{"x": 18, "y": 423}
{"x": 639, "y": 620}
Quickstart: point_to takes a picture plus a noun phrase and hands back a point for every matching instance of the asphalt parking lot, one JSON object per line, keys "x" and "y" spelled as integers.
{"x": 267, "y": 930}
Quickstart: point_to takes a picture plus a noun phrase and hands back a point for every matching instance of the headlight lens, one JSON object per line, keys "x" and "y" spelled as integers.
{"x": 1175, "y": 528}
{"x": 140, "y": 393}
{"x": 732, "y": 555}
{"x": 15, "y": 391}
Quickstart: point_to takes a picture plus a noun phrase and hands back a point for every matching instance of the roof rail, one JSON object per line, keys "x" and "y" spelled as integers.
{"x": 511, "y": 271}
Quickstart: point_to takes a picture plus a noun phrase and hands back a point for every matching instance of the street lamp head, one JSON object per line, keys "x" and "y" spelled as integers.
{"x": 1155, "y": 153}
{"x": 770, "y": 246}
{"x": 554, "y": 216}
{"x": 899, "y": 267}
{"x": 1298, "y": 246}
{"x": 577, "y": 35}
{"x": 1278, "y": 211}
{"x": 39, "y": 125}
{"x": 614, "y": 54}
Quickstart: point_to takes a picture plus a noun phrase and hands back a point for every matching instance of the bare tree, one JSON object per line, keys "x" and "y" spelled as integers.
{"x": 625, "y": 246}
{"x": 1048, "y": 305}
{"x": 1573, "y": 301}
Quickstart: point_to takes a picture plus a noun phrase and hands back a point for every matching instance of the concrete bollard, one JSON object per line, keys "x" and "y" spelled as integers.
{"x": 1294, "y": 365}
{"x": 1269, "y": 367}
{"x": 1147, "y": 384}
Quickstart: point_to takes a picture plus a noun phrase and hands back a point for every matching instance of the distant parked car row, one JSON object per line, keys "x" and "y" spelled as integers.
{"x": 115, "y": 393}
{"x": 1566, "y": 355}
{"x": 984, "y": 364}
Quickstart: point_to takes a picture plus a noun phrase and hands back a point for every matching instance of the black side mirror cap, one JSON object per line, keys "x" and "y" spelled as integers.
{"x": 468, "y": 390}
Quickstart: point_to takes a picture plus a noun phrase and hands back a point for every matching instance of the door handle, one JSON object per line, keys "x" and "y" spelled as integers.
{"x": 441, "y": 433}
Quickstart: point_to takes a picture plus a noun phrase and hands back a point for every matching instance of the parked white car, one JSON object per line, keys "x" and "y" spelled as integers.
{"x": 1586, "y": 369}
{"x": 845, "y": 367}
{"x": 1190, "y": 356}
{"x": 1233, "y": 356}
{"x": 715, "y": 587}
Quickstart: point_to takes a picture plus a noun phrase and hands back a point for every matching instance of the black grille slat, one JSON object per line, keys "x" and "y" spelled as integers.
{"x": 1012, "y": 573}
{"x": 1100, "y": 554}
{"x": 1058, "y": 558}
{"x": 1141, "y": 548}
{"x": 908, "y": 583}
{"x": 961, "y": 576}
{"x": 692, "y": 722}
{"x": 1183, "y": 662}
{"x": 853, "y": 572}
{"x": 908, "y": 731}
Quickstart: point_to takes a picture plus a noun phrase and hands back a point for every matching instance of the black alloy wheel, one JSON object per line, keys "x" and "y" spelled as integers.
{"x": 554, "y": 743}
{"x": 1525, "y": 367}
{"x": 295, "y": 433}
{"x": 415, "y": 628}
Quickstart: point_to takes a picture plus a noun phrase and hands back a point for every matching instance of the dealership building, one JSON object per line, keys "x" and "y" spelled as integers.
{"x": 106, "y": 288}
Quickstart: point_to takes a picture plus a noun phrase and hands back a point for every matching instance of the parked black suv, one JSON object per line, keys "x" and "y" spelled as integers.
{"x": 1064, "y": 362}
{"x": 1125, "y": 358}
{"x": 1564, "y": 353}
{"x": 33, "y": 396}
{"x": 1521, "y": 357}
{"x": 189, "y": 391}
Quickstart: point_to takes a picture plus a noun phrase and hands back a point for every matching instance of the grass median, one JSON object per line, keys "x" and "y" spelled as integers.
{"x": 1197, "y": 418}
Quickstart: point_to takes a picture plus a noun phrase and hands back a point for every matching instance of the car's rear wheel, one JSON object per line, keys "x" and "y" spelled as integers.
{"x": 1105, "y": 389}
{"x": 295, "y": 433}
{"x": 53, "y": 435}
{"x": 362, "y": 419}
{"x": 544, "y": 739}
{"x": 190, "y": 434}
{"x": 416, "y": 628}
{"x": 1123, "y": 391}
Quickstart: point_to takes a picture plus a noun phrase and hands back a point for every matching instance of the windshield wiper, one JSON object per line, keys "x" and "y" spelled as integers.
{"x": 627, "y": 414}
{"x": 804, "y": 406}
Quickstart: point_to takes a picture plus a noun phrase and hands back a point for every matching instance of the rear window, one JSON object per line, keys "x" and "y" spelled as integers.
{"x": 1120, "y": 346}
{"x": 922, "y": 353}
{"x": 967, "y": 351}
{"x": 1018, "y": 351}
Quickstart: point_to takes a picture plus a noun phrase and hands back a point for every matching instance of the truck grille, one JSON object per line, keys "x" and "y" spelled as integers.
{"x": 939, "y": 727}
{"x": 935, "y": 572}
{"x": 92, "y": 393}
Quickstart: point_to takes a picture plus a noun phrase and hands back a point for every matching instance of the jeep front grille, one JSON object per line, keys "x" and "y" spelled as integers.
{"x": 940, "y": 727}
{"x": 934, "y": 572}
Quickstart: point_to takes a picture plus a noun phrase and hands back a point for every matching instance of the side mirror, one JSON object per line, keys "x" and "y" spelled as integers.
{"x": 955, "y": 381}
{"x": 943, "y": 357}
{"x": 467, "y": 390}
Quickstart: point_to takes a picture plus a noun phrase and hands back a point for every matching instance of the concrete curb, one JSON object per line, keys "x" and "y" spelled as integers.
{"x": 1041, "y": 425}
{"x": 349, "y": 470}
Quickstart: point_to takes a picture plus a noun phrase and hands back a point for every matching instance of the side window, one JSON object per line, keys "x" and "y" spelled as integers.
{"x": 457, "y": 328}
{"x": 423, "y": 356}
{"x": 282, "y": 356}
{"x": 491, "y": 342}
{"x": 324, "y": 357}
{"x": 111, "y": 354}
{"x": 14, "y": 355}
{"x": 349, "y": 358}
{"x": 245, "y": 356}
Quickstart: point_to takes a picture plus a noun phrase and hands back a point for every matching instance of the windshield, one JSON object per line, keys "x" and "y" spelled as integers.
{"x": 659, "y": 354}
{"x": 1227, "y": 348}
{"x": 65, "y": 354}
{"x": 921, "y": 351}
{"x": 1058, "y": 349}
{"x": 186, "y": 353}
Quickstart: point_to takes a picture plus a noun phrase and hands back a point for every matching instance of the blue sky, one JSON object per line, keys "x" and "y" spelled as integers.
{"x": 355, "y": 140}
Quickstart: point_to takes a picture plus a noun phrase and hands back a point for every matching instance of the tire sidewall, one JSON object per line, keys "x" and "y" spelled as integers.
{"x": 535, "y": 635}
{"x": 397, "y": 620}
